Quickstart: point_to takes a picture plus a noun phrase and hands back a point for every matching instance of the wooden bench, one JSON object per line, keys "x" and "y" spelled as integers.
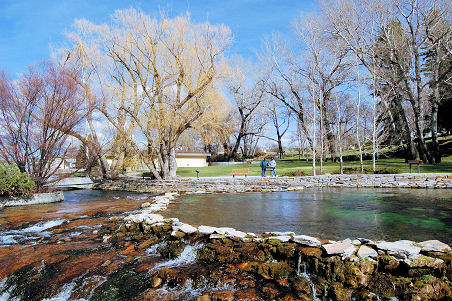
{"x": 147, "y": 175}
{"x": 240, "y": 172}
{"x": 415, "y": 162}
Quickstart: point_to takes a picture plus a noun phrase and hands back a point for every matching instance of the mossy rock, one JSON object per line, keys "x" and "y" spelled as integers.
{"x": 339, "y": 292}
{"x": 301, "y": 286}
{"x": 274, "y": 270}
{"x": 172, "y": 249}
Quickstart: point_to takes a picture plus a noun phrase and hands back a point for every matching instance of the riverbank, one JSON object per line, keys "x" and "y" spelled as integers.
{"x": 253, "y": 184}
{"x": 284, "y": 265}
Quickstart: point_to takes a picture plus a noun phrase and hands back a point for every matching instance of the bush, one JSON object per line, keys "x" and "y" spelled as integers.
{"x": 13, "y": 182}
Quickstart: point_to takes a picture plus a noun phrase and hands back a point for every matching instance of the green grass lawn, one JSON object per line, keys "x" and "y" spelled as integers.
{"x": 287, "y": 166}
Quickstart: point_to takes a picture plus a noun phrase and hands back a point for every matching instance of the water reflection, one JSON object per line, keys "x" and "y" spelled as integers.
{"x": 333, "y": 213}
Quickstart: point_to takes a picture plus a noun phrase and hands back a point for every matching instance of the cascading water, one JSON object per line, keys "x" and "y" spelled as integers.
{"x": 305, "y": 275}
{"x": 36, "y": 231}
{"x": 187, "y": 256}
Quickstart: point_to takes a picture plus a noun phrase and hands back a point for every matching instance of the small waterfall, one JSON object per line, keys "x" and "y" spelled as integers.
{"x": 305, "y": 275}
{"x": 187, "y": 256}
{"x": 152, "y": 251}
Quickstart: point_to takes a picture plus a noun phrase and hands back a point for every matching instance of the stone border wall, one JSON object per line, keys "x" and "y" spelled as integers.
{"x": 253, "y": 184}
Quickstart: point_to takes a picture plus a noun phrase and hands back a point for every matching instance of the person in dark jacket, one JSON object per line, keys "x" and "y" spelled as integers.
{"x": 264, "y": 165}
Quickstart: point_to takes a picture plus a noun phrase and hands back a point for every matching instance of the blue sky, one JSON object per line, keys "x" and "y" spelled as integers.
{"x": 29, "y": 27}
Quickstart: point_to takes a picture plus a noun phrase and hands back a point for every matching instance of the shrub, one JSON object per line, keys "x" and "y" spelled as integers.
{"x": 13, "y": 182}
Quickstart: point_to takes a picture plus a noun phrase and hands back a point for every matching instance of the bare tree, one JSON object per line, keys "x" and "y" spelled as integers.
{"x": 247, "y": 97}
{"x": 37, "y": 114}
{"x": 161, "y": 78}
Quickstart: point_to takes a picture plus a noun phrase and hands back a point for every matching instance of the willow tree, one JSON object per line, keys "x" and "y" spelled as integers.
{"x": 156, "y": 78}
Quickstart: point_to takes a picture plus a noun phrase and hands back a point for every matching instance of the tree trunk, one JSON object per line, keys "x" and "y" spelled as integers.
{"x": 434, "y": 115}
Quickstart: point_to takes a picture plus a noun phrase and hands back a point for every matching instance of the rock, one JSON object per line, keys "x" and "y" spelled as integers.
{"x": 365, "y": 251}
{"x": 204, "y": 297}
{"x": 306, "y": 240}
{"x": 280, "y": 233}
{"x": 178, "y": 234}
{"x": 341, "y": 248}
{"x": 188, "y": 229}
{"x": 424, "y": 261}
{"x": 340, "y": 293}
{"x": 107, "y": 262}
{"x": 144, "y": 205}
{"x": 223, "y": 230}
{"x": 147, "y": 243}
{"x": 402, "y": 246}
{"x": 207, "y": 230}
{"x": 220, "y": 295}
{"x": 311, "y": 252}
{"x": 156, "y": 282}
{"x": 217, "y": 236}
{"x": 247, "y": 294}
{"x": 282, "y": 238}
{"x": 275, "y": 270}
{"x": 434, "y": 246}
{"x": 235, "y": 233}
{"x": 129, "y": 258}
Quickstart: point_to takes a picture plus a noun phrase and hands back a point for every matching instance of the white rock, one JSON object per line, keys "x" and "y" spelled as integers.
{"x": 206, "y": 230}
{"x": 235, "y": 233}
{"x": 144, "y": 205}
{"x": 405, "y": 247}
{"x": 251, "y": 234}
{"x": 342, "y": 248}
{"x": 186, "y": 228}
{"x": 356, "y": 242}
{"x": 365, "y": 251}
{"x": 306, "y": 240}
{"x": 434, "y": 246}
{"x": 282, "y": 238}
{"x": 223, "y": 230}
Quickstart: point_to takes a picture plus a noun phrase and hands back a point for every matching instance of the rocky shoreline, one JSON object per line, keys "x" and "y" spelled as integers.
{"x": 281, "y": 266}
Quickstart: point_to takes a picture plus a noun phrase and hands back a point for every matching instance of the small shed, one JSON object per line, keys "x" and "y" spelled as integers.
{"x": 192, "y": 159}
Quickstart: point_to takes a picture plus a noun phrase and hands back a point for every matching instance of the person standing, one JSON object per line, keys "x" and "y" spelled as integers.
{"x": 272, "y": 164}
{"x": 264, "y": 165}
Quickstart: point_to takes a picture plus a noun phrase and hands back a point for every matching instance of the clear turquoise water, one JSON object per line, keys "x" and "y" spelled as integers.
{"x": 330, "y": 213}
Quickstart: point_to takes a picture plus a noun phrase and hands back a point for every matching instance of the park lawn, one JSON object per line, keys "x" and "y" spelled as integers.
{"x": 288, "y": 166}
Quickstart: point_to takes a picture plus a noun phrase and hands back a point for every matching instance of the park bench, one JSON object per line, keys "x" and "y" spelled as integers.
{"x": 415, "y": 162}
{"x": 240, "y": 172}
{"x": 147, "y": 175}
{"x": 269, "y": 169}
